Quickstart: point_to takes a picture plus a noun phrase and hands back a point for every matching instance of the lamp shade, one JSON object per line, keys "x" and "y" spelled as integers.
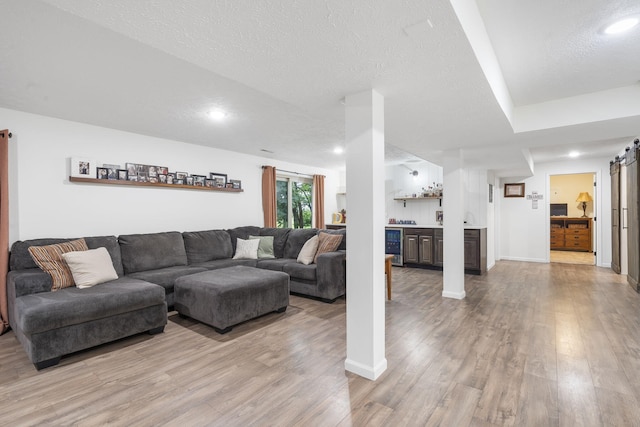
{"x": 584, "y": 197}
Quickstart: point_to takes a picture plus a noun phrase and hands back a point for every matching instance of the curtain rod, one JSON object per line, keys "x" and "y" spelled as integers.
{"x": 292, "y": 172}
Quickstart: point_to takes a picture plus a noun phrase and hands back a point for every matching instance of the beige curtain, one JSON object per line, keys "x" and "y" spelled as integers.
{"x": 269, "y": 195}
{"x": 318, "y": 201}
{"x": 4, "y": 228}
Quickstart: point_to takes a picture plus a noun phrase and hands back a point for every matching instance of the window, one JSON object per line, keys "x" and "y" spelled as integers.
{"x": 293, "y": 200}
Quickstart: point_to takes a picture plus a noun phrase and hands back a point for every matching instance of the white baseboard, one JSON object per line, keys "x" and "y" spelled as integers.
{"x": 368, "y": 372}
{"x": 514, "y": 258}
{"x": 455, "y": 295}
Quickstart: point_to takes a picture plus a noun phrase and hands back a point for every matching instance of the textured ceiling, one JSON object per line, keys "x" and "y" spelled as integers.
{"x": 281, "y": 69}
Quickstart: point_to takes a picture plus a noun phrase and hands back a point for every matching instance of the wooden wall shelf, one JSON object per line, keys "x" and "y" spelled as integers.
{"x": 150, "y": 184}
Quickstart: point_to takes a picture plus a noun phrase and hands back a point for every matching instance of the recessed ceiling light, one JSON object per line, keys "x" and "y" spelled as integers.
{"x": 574, "y": 154}
{"x": 622, "y": 25}
{"x": 338, "y": 150}
{"x": 217, "y": 115}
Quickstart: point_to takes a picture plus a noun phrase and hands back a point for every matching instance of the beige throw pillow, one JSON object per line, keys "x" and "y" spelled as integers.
{"x": 49, "y": 259}
{"x": 308, "y": 251}
{"x": 327, "y": 243}
{"x": 90, "y": 267}
{"x": 247, "y": 249}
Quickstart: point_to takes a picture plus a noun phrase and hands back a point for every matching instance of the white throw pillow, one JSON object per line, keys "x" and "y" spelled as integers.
{"x": 308, "y": 251}
{"x": 247, "y": 249}
{"x": 90, "y": 267}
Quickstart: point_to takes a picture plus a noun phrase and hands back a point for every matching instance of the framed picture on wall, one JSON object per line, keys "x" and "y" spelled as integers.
{"x": 83, "y": 167}
{"x": 514, "y": 190}
{"x": 220, "y": 179}
{"x": 102, "y": 173}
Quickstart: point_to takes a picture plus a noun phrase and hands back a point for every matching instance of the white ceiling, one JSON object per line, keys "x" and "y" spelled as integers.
{"x": 506, "y": 81}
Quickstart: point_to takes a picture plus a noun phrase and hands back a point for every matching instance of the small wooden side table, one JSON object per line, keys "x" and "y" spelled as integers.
{"x": 387, "y": 271}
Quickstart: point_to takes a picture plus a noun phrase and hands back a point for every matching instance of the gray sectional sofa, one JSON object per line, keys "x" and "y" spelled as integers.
{"x": 52, "y": 324}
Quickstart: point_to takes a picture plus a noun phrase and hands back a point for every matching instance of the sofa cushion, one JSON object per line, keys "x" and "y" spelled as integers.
{"x": 308, "y": 252}
{"x": 21, "y": 259}
{"x": 342, "y": 232}
{"x": 227, "y": 262}
{"x": 166, "y": 277}
{"x": 90, "y": 267}
{"x": 70, "y": 306}
{"x": 49, "y": 259}
{"x": 242, "y": 233}
{"x": 246, "y": 249}
{"x": 280, "y": 236}
{"x": 202, "y": 246}
{"x": 300, "y": 271}
{"x": 275, "y": 264}
{"x": 142, "y": 252}
{"x": 327, "y": 243}
{"x": 296, "y": 240}
{"x": 265, "y": 248}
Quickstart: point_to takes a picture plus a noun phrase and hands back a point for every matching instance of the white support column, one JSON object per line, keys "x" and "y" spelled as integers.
{"x": 365, "y": 231}
{"x": 453, "y": 225}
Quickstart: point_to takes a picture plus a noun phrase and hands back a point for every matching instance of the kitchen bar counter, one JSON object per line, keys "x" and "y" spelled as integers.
{"x": 422, "y": 245}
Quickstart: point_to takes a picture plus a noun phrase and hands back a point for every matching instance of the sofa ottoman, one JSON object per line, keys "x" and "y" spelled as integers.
{"x": 228, "y": 296}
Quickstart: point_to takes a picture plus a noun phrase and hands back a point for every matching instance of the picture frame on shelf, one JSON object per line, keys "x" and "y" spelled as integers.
{"x": 220, "y": 179}
{"x": 514, "y": 190}
{"x": 171, "y": 177}
{"x": 143, "y": 177}
{"x": 236, "y": 184}
{"x": 162, "y": 178}
{"x": 178, "y": 181}
{"x": 102, "y": 173}
{"x": 209, "y": 183}
{"x": 199, "y": 180}
{"x": 82, "y": 167}
{"x": 189, "y": 180}
{"x": 153, "y": 172}
{"x": 122, "y": 174}
{"x": 163, "y": 170}
{"x": 182, "y": 175}
{"x": 229, "y": 185}
{"x": 132, "y": 171}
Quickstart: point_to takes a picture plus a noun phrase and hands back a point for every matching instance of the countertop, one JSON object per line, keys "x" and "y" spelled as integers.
{"x": 467, "y": 226}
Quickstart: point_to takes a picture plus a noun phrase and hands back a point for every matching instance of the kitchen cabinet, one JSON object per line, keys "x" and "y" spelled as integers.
{"x": 427, "y": 246}
{"x": 411, "y": 249}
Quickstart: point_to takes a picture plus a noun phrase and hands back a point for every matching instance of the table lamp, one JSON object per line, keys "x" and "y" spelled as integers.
{"x": 584, "y": 198}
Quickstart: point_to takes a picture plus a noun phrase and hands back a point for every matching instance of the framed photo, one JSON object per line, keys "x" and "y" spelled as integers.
{"x": 209, "y": 183}
{"x": 132, "y": 171}
{"x": 229, "y": 185}
{"x": 153, "y": 172}
{"x": 143, "y": 177}
{"x": 153, "y": 179}
{"x": 163, "y": 170}
{"x": 171, "y": 177}
{"x": 220, "y": 179}
{"x": 514, "y": 190}
{"x": 199, "y": 180}
{"x": 182, "y": 175}
{"x": 83, "y": 167}
{"x": 162, "y": 178}
{"x": 439, "y": 217}
{"x": 122, "y": 174}
{"x": 236, "y": 183}
{"x": 102, "y": 173}
{"x": 189, "y": 180}
{"x": 178, "y": 181}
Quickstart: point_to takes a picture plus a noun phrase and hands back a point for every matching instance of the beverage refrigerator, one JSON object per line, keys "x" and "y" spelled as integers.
{"x": 393, "y": 244}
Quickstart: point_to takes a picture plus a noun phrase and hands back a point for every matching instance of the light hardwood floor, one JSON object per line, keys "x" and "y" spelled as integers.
{"x": 531, "y": 345}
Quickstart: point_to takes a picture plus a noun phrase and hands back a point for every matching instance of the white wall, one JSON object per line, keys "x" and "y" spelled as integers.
{"x": 400, "y": 183}
{"x": 45, "y": 204}
{"x": 524, "y": 231}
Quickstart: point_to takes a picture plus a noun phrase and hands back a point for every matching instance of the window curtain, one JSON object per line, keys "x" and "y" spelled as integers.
{"x": 318, "y": 201}
{"x": 269, "y": 195}
{"x": 4, "y": 228}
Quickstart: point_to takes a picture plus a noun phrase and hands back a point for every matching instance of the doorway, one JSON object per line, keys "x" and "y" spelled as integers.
{"x": 572, "y": 209}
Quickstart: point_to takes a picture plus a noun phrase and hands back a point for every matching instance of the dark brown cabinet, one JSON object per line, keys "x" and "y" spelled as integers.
{"x": 425, "y": 248}
{"x": 411, "y": 246}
